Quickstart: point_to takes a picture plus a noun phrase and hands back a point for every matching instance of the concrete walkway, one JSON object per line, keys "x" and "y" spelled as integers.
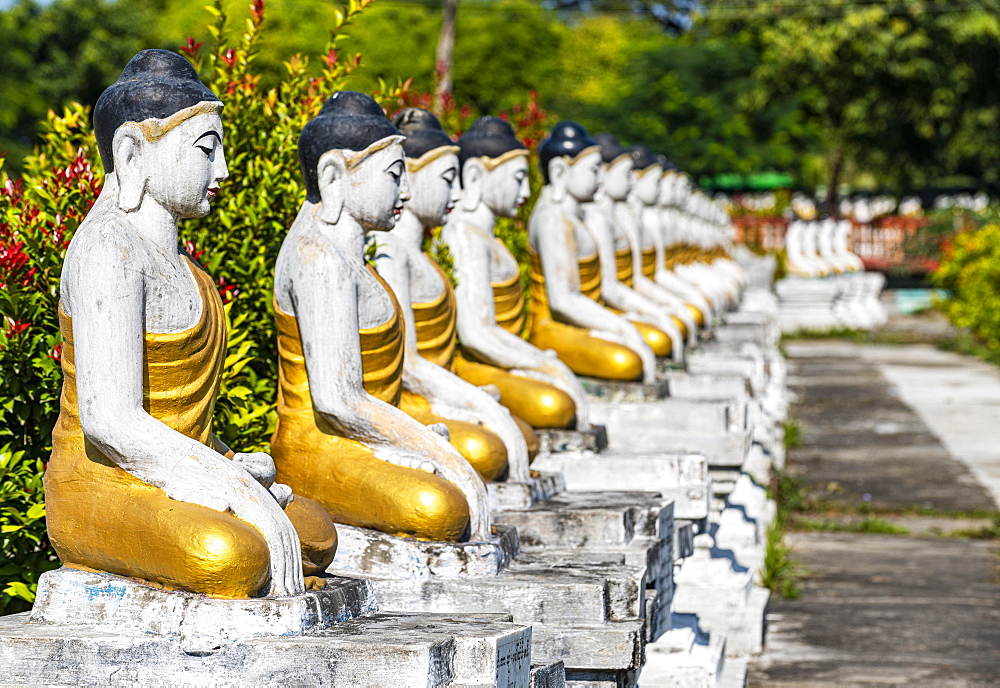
{"x": 911, "y": 434}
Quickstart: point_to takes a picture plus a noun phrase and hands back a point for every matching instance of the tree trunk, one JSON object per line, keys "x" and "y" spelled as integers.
{"x": 445, "y": 51}
{"x": 836, "y": 169}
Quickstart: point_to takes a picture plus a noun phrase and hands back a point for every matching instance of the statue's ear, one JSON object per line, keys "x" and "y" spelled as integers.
{"x": 558, "y": 177}
{"x": 473, "y": 175}
{"x": 332, "y": 176}
{"x": 126, "y": 150}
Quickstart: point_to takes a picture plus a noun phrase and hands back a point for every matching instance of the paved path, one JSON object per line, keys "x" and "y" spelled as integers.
{"x": 880, "y": 433}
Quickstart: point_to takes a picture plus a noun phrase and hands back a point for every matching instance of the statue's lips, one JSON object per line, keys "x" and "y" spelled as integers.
{"x": 213, "y": 192}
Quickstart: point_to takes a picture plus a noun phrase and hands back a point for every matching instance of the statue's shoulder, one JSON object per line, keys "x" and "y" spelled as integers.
{"x": 106, "y": 242}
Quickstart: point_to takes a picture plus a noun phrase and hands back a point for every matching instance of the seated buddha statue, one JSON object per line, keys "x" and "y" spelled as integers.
{"x": 567, "y": 313}
{"x": 137, "y": 484}
{"x": 693, "y": 261}
{"x": 341, "y": 438}
{"x": 656, "y": 256}
{"x": 534, "y": 384}
{"x": 611, "y": 203}
{"x": 480, "y": 428}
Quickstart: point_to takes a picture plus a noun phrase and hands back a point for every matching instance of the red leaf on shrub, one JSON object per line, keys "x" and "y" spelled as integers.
{"x": 191, "y": 48}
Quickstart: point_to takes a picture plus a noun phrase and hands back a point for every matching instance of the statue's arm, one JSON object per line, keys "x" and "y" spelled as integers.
{"x": 616, "y": 294}
{"x": 477, "y": 326}
{"x": 108, "y": 307}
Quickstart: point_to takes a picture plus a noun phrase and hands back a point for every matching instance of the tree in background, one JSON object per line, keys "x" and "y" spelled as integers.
{"x": 68, "y": 50}
{"x": 902, "y": 91}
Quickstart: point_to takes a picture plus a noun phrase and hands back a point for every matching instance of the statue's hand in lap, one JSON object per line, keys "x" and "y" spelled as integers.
{"x": 232, "y": 486}
{"x": 257, "y": 464}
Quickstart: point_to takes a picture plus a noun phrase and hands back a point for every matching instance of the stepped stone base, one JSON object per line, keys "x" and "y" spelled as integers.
{"x": 109, "y": 602}
{"x": 366, "y": 552}
{"x": 548, "y": 676}
{"x": 553, "y": 440}
{"x": 708, "y": 387}
{"x": 685, "y": 657}
{"x": 588, "y": 615}
{"x": 514, "y": 495}
{"x": 379, "y": 650}
{"x": 612, "y": 390}
{"x": 682, "y": 478}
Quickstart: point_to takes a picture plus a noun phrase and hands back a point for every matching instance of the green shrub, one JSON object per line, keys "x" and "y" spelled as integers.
{"x": 970, "y": 271}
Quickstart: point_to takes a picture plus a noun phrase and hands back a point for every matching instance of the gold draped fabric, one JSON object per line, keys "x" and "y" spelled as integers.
{"x": 624, "y": 267}
{"x": 101, "y": 517}
{"x": 649, "y": 262}
{"x": 343, "y": 475}
{"x": 533, "y": 403}
{"x": 575, "y": 346}
{"x": 435, "y": 323}
{"x": 508, "y": 302}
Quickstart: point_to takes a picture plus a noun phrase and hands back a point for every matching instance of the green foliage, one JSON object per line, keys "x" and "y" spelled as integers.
{"x": 898, "y": 89}
{"x": 63, "y": 51}
{"x": 792, "y": 433}
{"x": 870, "y": 525}
{"x": 38, "y": 214}
{"x": 970, "y": 271}
{"x": 780, "y": 572}
{"x": 22, "y": 530}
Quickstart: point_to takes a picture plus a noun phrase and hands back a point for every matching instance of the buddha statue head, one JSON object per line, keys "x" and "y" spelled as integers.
{"x": 352, "y": 160}
{"x": 493, "y": 167}
{"x": 571, "y": 162}
{"x": 431, "y": 165}
{"x": 617, "y": 179}
{"x": 668, "y": 178}
{"x": 159, "y": 133}
{"x": 646, "y": 170}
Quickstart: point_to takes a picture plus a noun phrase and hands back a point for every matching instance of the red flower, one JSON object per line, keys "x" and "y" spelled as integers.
{"x": 193, "y": 250}
{"x": 16, "y": 327}
{"x": 191, "y": 48}
{"x": 257, "y": 11}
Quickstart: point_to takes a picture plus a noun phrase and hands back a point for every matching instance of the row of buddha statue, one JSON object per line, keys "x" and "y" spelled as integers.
{"x": 399, "y": 395}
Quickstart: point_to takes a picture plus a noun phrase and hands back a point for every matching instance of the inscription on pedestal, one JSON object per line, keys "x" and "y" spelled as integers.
{"x": 513, "y": 661}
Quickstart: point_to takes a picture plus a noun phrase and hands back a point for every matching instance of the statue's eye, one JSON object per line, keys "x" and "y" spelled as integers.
{"x": 206, "y": 150}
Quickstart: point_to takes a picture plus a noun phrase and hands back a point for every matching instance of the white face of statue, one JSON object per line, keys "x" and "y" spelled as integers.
{"x": 434, "y": 190}
{"x": 618, "y": 178}
{"x": 647, "y": 184}
{"x": 377, "y": 188}
{"x": 505, "y": 188}
{"x": 583, "y": 176}
{"x": 668, "y": 187}
{"x": 184, "y": 168}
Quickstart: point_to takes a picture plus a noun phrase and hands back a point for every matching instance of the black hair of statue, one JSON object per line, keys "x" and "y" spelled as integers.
{"x": 154, "y": 84}
{"x": 423, "y": 131}
{"x": 666, "y": 164}
{"x": 642, "y": 157}
{"x": 567, "y": 139}
{"x": 348, "y": 121}
{"x": 611, "y": 147}
{"x": 488, "y": 137}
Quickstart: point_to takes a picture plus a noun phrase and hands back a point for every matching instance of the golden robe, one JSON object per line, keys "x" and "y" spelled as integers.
{"x": 342, "y": 474}
{"x": 575, "y": 346}
{"x": 437, "y": 340}
{"x": 103, "y": 518}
